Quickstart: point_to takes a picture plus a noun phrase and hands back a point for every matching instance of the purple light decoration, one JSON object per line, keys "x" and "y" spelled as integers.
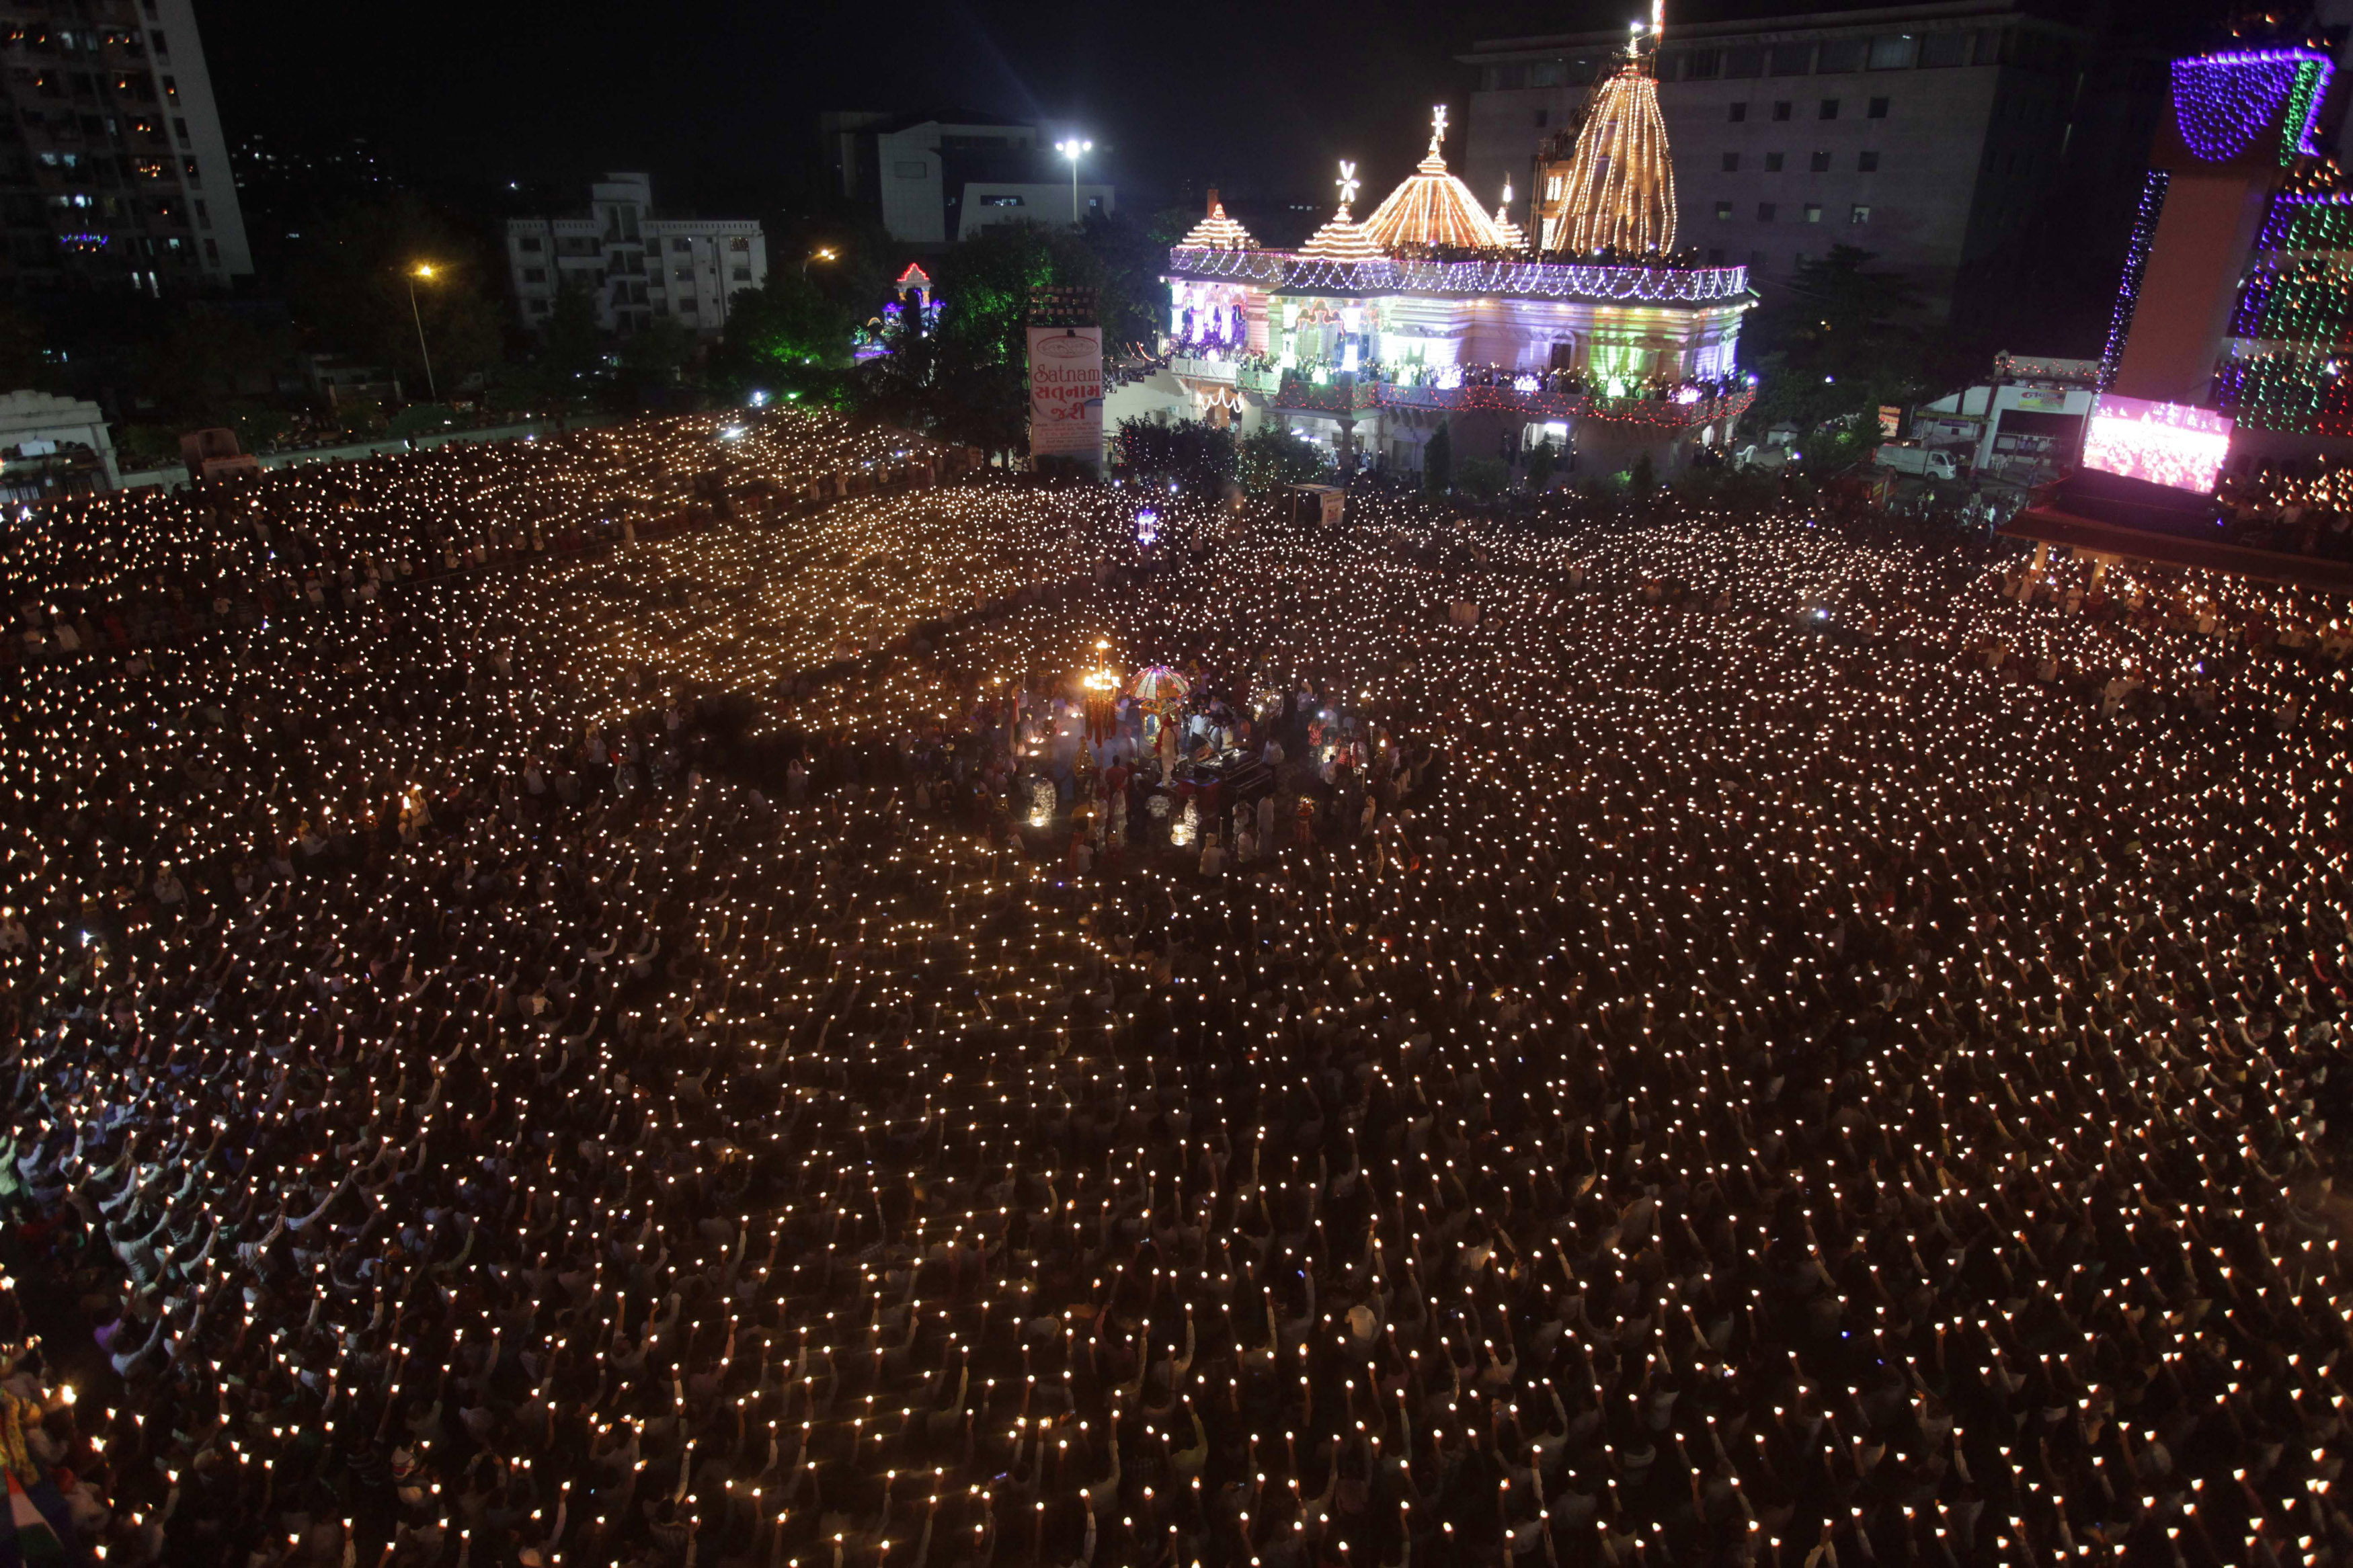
{"x": 2152, "y": 203}
{"x": 2222, "y": 102}
{"x": 1147, "y": 527}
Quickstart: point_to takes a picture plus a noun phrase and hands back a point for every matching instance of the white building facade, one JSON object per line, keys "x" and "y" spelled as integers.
{"x": 637, "y": 267}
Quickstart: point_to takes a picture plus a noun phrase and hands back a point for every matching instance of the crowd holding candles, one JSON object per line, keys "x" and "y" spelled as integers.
{"x": 1736, "y": 1038}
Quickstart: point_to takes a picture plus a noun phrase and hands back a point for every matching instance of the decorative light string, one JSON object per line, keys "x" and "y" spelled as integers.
{"x": 1602, "y": 281}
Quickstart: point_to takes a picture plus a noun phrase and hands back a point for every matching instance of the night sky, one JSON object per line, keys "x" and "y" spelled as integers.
{"x": 719, "y": 102}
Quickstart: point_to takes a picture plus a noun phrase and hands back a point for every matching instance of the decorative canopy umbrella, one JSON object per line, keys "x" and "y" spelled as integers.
{"x": 1158, "y": 686}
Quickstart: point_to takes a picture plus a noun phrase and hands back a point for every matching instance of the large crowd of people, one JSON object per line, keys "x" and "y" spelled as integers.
{"x": 1734, "y": 1037}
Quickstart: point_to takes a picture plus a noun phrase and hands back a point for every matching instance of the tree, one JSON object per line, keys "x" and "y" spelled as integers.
{"x": 573, "y": 345}
{"x": 1838, "y": 340}
{"x": 789, "y": 336}
{"x": 1438, "y": 462}
{"x": 657, "y": 351}
{"x": 1273, "y": 456}
{"x": 20, "y": 351}
{"x": 1191, "y": 450}
{"x": 349, "y": 285}
{"x": 1483, "y": 478}
{"x": 967, "y": 380}
{"x": 1542, "y": 460}
{"x": 208, "y": 363}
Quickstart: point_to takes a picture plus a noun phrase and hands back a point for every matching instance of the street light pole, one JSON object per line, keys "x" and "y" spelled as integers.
{"x": 432, "y": 394}
{"x": 1070, "y": 150}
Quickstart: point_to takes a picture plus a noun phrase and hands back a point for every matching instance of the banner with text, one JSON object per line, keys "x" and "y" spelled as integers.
{"x": 1066, "y": 393}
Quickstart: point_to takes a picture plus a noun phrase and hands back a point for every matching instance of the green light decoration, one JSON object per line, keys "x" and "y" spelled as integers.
{"x": 2309, "y": 76}
{"x": 2294, "y": 324}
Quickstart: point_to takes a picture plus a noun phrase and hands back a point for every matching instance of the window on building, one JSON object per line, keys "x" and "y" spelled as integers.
{"x": 1791, "y": 60}
{"x": 1948, "y": 49}
{"x": 1829, "y": 108}
{"x": 1772, "y": 162}
{"x": 161, "y": 47}
{"x": 686, "y": 305}
{"x": 1859, "y": 214}
{"x": 1894, "y": 52}
{"x": 1546, "y": 73}
{"x": 1731, "y": 162}
{"x": 1866, "y": 163}
{"x": 1813, "y": 212}
{"x": 204, "y": 216}
{"x": 740, "y": 243}
{"x": 1704, "y": 65}
{"x": 1000, "y": 201}
{"x": 1764, "y": 211}
{"x": 530, "y": 243}
{"x": 682, "y": 272}
{"x": 1878, "y": 109}
{"x": 1821, "y": 163}
{"x": 190, "y": 171}
{"x": 1781, "y": 109}
{"x": 1541, "y": 117}
{"x": 1739, "y": 112}
{"x": 212, "y": 251}
{"x": 180, "y": 127}
{"x": 1838, "y": 55}
{"x": 171, "y": 92}
{"x": 535, "y": 274}
{"x": 1723, "y": 209}
{"x": 741, "y": 275}
{"x": 1744, "y": 62}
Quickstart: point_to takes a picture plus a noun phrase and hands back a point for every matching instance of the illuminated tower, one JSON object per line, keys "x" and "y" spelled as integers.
{"x": 1618, "y": 192}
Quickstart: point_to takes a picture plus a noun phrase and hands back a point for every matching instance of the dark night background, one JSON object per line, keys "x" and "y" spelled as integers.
{"x": 719, "y": 102}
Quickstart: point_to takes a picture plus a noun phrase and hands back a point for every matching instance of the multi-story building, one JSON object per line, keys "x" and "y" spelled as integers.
{"x": 634, "y": 265}
{"x": 934, "y": 178}
{"x": 113, "y": 169}
{"x": 1930, "y": 136}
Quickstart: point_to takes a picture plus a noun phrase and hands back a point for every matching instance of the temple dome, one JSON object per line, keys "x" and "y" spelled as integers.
{"x": 1218, "y": 232}
{"x": 1341, "y": 239}
{"x": 1432, "y": 207}
{"x": 1619, "y": 193}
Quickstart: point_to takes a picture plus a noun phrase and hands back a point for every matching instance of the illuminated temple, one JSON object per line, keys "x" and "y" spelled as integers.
{"x": 1587, "y": 329}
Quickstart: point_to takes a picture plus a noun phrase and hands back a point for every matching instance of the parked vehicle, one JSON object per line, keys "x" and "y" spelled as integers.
{"x": 1905, "y": 458}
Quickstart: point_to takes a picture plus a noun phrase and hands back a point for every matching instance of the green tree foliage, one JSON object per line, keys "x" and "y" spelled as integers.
{"x": 1837, "y": 340}
{"x": 789, "y": 336}
{"x": 1272, "y": 457}
{"x": 969, "y": 379}
{"x": 656, "y": 353}
{"x": 208, "y": 364}
{"x": 348, "y": 284}
{"x": 572, "y": 345}
{"x": 1191, "y": 450}
{"x": 1132, "y": 257}
{"x": 1438, "y": 462}
{"x": 20, "y": 351}
{"x": 1542, "y": 461}
{"x": 1483, "y": 478}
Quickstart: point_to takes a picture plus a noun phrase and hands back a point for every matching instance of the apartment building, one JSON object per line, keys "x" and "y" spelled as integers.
{"x": 113, "y": 170}
{"x": 1932, "y": 135}
{"x": 634, "y": 264}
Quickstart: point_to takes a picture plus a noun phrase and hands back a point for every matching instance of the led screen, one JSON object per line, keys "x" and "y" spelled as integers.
{"x": 2165, "y": 443}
